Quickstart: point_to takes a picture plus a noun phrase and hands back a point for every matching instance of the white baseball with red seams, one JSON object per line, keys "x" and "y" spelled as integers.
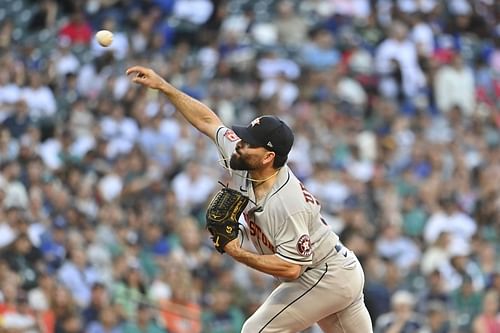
{"x": 104, "y": 37}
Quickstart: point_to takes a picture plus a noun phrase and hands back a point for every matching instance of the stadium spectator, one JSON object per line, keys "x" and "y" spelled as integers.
{"x": 402, "y": 318}
{"x": 454, "y": 86}
{"x": 488, "y": 321}
{"x": 107, "y": 322}
{"x": 78, "y": 276}
{"x": 396, "y": 247}
{"x": 466, "y": 304}
{"x": 99, "y": 299}
{"x": 291, "y": 27}
{"x": 21, "y": 256}
{"x": 78, "y": 30}
{"x": 449, "y": 219}
{"x": 438, "y": 318}
{"x": 221, "y": 316}
{"x": 131, "y": 291}
{"x": 145, "y": 322}
{"x": 320, "y": 52}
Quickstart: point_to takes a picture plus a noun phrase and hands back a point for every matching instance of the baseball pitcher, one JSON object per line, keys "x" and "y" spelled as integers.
{"x": 322, "y": 281}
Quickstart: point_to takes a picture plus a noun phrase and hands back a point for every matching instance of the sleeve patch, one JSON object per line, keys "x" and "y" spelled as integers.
{"x": 304, "y": 246}
{"x": 231, "y": 136}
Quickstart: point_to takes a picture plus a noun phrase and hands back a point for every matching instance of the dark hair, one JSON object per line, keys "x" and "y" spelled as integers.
{"x": 279, "y": 161}
{"x": 447, "y": 200}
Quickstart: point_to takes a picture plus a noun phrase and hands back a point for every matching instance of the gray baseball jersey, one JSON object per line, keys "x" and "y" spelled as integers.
{"x": 287, "y": 222}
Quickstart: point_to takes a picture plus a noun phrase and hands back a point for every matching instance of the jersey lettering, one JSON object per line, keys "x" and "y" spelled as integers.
{"x": 257, "y": 234}
{"x": 308, "y": 196}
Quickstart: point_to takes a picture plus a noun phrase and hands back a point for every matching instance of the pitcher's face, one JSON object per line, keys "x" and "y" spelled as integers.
{"x": 247, "y": 157}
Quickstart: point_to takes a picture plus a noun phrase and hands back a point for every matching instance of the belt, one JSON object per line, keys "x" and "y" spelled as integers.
{"x": 337, "y": 248}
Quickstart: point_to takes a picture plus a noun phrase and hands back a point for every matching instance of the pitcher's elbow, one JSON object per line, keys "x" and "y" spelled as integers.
{"x": 292, "y": 273}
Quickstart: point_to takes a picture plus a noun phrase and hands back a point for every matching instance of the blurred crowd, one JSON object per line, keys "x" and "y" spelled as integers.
{"x": 396, "y": 112}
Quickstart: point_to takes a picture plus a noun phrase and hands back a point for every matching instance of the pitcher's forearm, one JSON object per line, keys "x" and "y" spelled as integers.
{"x": 195, "y": 112}
{"x": 269, "y": 264}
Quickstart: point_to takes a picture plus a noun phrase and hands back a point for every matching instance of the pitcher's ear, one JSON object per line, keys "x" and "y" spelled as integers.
{"x": 269, "y": 157}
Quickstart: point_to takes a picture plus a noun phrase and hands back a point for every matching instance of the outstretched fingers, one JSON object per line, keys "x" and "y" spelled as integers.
{"x": 141, "y": 74}
{"x": 145, "y": 76}
{"x": 136, "y": 69}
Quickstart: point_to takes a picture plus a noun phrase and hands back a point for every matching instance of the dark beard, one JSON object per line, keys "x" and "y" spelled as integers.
{"x": 237, "y": 163}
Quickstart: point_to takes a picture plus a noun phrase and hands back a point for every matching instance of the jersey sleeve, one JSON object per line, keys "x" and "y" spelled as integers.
{"x": 293, "y": 242}
{"x": 226, "y": 140}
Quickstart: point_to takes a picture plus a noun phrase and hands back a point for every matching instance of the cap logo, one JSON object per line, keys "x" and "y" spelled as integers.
{"x": 270, "y": 144}
{"x": 254, "y": 122}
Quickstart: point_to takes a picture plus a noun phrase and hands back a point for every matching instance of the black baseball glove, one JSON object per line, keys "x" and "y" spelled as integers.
{"x": 222, "y": 216}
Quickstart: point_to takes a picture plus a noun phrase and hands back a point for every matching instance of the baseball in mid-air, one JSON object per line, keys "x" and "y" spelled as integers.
{"x": 104, "y": 37}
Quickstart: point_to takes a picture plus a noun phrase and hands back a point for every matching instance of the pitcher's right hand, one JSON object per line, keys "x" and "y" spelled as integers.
{"x": 147, "y": 77}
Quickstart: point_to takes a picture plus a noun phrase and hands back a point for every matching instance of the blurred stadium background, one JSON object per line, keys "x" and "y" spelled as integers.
{"x": 395, "y": 106}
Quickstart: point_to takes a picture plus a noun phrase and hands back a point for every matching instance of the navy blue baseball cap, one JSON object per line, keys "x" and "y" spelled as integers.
{"x": 269, "y": 132}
